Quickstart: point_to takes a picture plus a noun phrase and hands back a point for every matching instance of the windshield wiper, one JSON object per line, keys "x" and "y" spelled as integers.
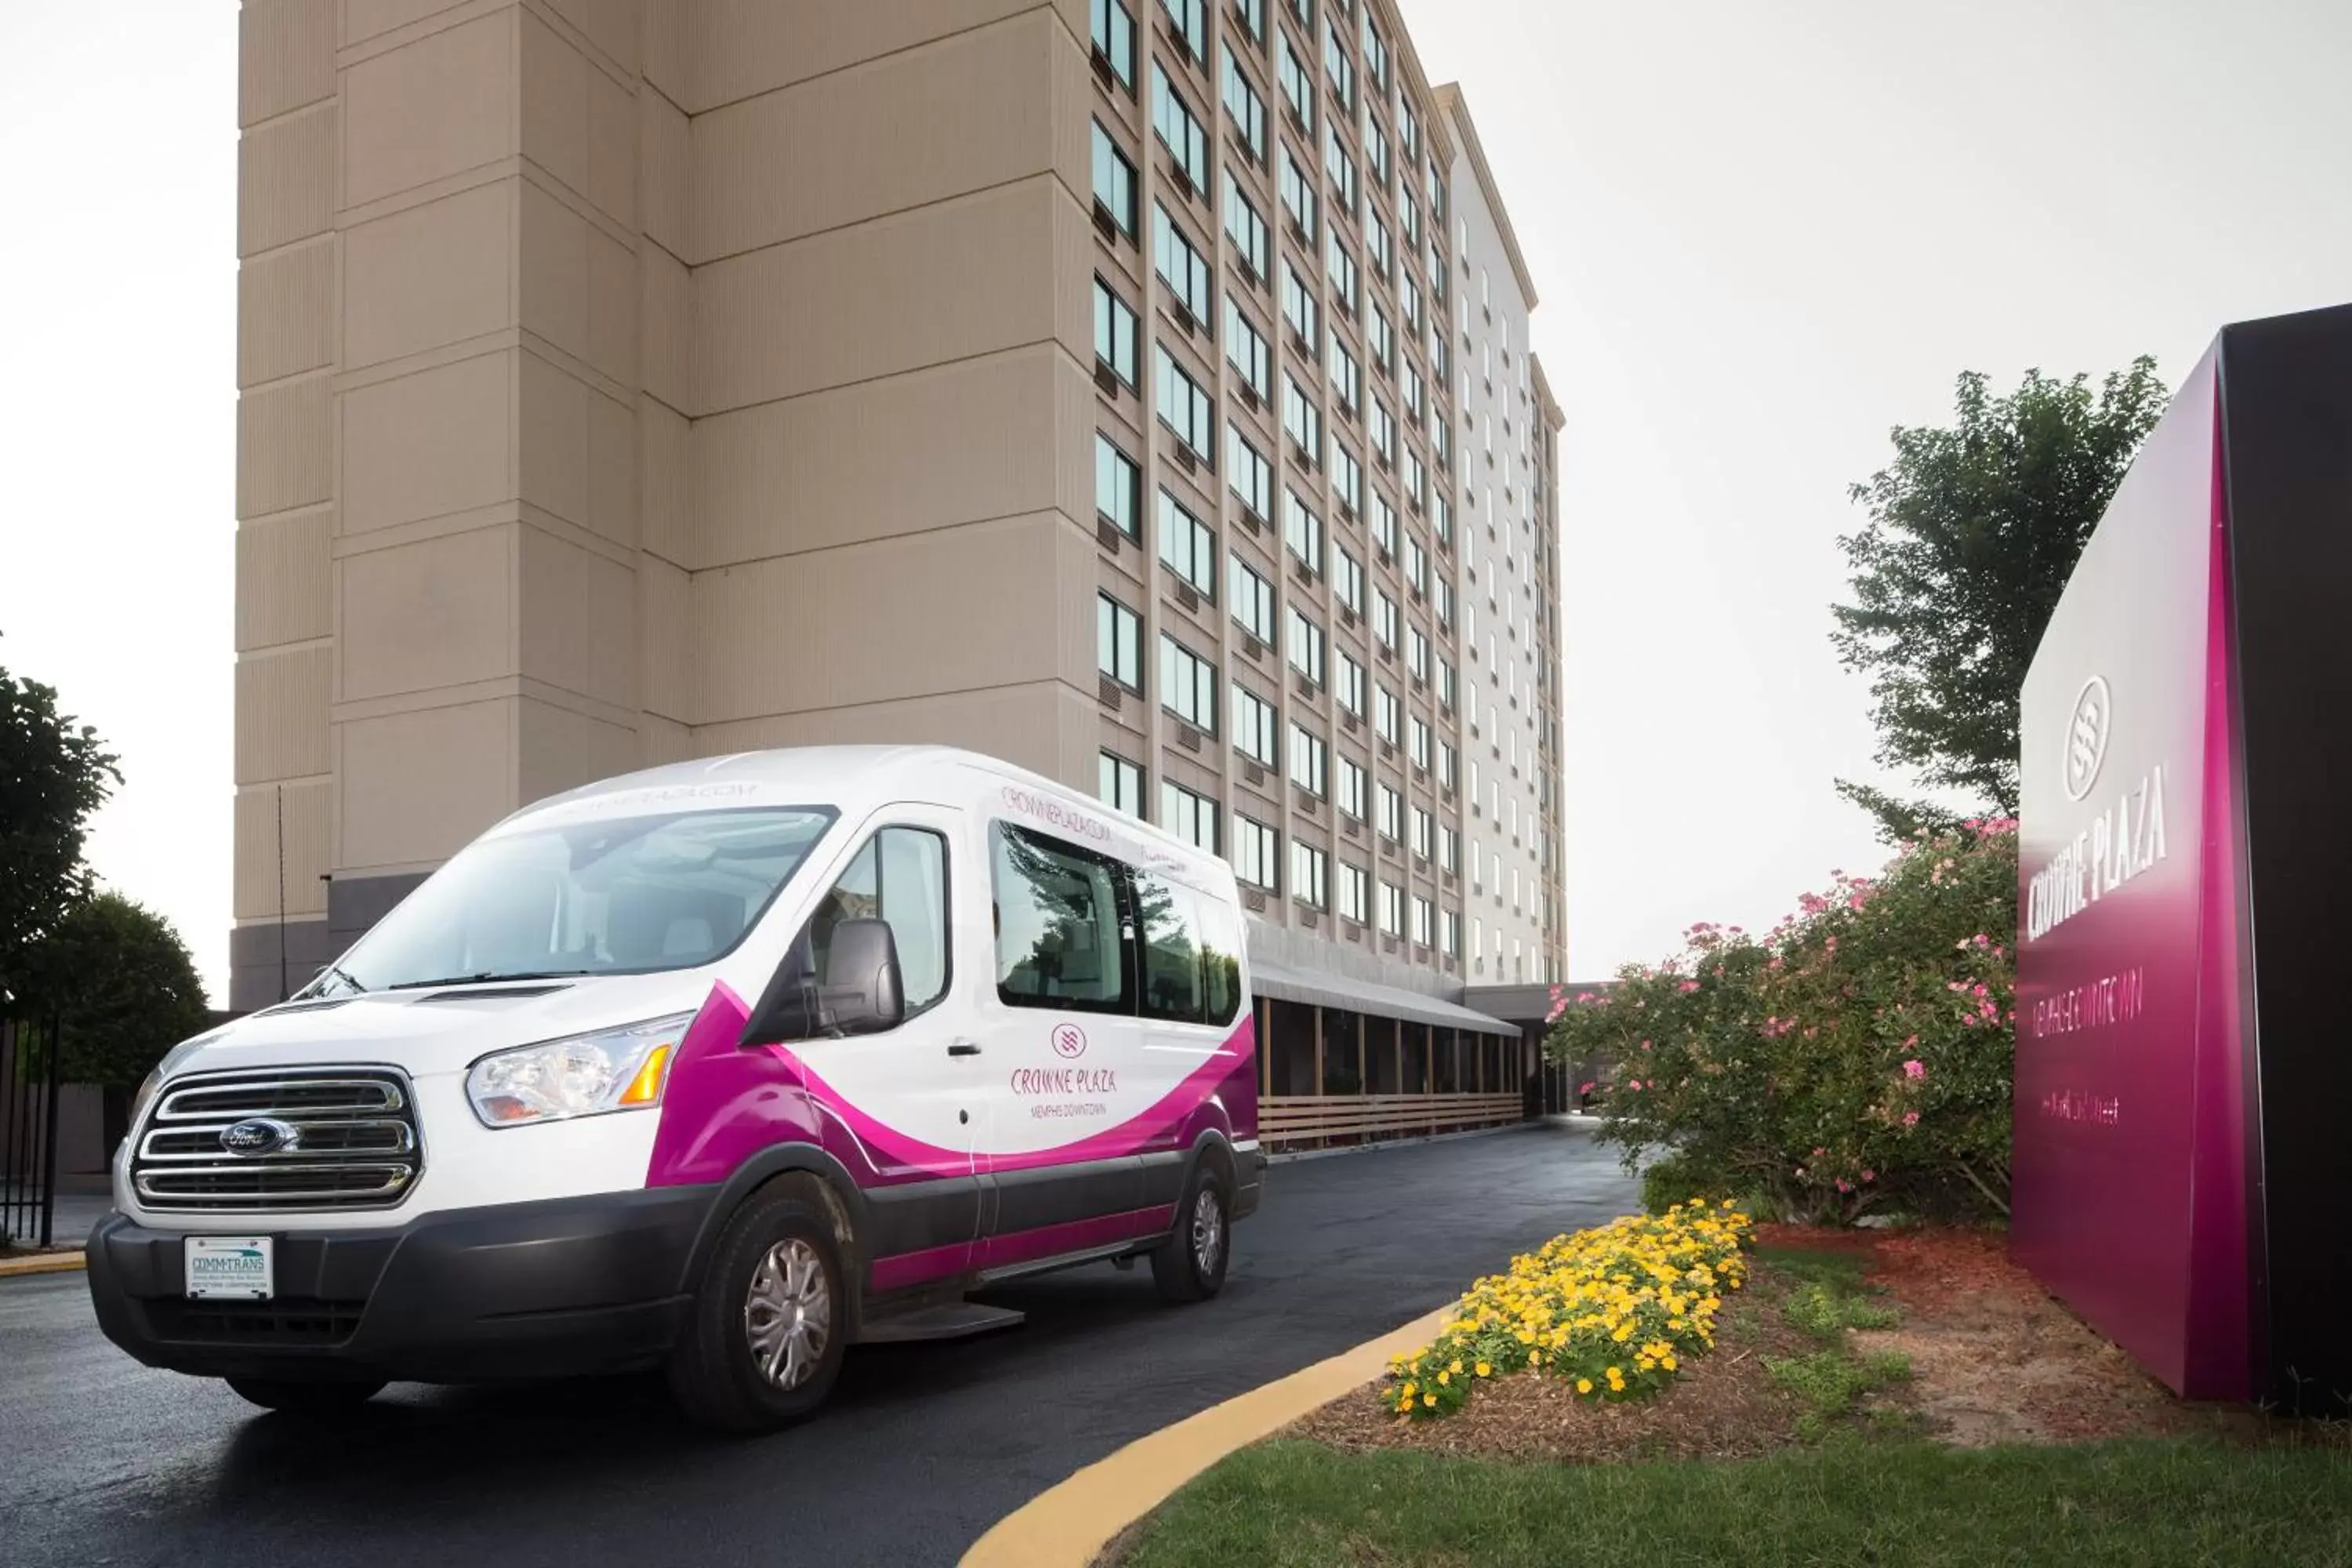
{"x": 485, "y": 977}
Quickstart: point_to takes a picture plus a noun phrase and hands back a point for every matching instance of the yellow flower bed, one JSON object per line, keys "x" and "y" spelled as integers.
{"x": 1616, "y": 1310}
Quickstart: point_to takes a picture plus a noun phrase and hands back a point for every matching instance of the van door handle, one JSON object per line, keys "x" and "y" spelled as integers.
{"x": 964, "y": 1049}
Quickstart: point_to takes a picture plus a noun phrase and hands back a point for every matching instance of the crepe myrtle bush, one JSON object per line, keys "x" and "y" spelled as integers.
{"x": 1856, "y": 1058}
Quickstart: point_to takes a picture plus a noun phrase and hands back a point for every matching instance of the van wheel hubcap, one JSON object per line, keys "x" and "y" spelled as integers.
{"x": 788, "y": 1313}
{"x": 1208, "y": 1231}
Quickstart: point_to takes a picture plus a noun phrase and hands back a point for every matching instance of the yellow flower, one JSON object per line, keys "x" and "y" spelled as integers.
{"x": 1483, "y": 1369}
{"x": 1443, "y": 1377}
{"x": 1583, "y": 1385}
{"x": 1428, "y": 1399}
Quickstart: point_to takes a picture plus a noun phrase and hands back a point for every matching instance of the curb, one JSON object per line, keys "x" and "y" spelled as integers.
{"x": 42, "y": 1263}
{"x": 1289, "y": 1156}
{"x": 1067, "y": 1525}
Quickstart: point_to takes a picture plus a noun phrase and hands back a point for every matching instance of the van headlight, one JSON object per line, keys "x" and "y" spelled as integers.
{"x": 582, "y": 1075}
{"x": 174, "y": 1059}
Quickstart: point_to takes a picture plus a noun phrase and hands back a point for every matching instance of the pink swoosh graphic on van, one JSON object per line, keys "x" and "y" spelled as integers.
{"x": 724, "y": 1104}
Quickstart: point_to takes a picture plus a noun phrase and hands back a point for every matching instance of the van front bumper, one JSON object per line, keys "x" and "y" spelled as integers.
{"x": 550, "y": 1288}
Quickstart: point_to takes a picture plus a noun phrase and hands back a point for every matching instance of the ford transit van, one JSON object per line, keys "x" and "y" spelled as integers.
{"x": 719, "y": 1069}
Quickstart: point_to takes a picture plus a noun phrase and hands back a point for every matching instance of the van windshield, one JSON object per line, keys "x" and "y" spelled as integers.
{"x": 620, "y": 896}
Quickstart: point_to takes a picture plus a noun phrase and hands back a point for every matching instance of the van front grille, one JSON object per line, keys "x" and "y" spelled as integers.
{"x": 335, "y": 1138}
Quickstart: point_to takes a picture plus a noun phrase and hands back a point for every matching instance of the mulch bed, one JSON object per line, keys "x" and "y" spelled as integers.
{"x": 1994, "y": 1359}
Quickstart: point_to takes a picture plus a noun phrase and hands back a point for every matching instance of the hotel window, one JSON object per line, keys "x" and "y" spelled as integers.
{"x": 1437, "y": 294}
{"x": 1351, "y": 788}
{"x": 1384, "y": 714}
{"x": 1440, "y": 518}
{"x": 1179, "y": 130}
{"x": 1188, "y": 685}
{"x": 1348, "y": 478}
{"x": 1409, "y": 221}
{"x": 1408, "y": 128}
{"x": 1303, "y": 421}
{"x": 1253, "y": 601}
{"x": 1347, "y": 380}
{"x": 1245, "y": 228}
{"x": 1416, "y": 564}
{"x": 1120, "y": 785}
{"x": 1384, "y": 619}
{"x": 1384, "y": 524}
{"x": 1118, "y": 642}
{"x": 1376, "y": 159}
{"x": 1445, "y": 687}
{"x": 1424, "y": 833}
{"x": 1478, "y": 859}
{"x": 1309, "y": 867}
{"x": 1436, "y": 196}
{"x": 1191, "y": 25}
{"x": 1339, "y": 67}
{"x": 1415, "y": 485}
{"x": 1449, "y": 933}
{"x": 1409, "y": 304}
{"x": 1391, "y": 817}
{"x": 1114, "y": 333}
{"x": 1119, "y": 486}
{"x": 1343, "y": 170}
{"x": 1376, "y": 244}
{"x": 1298, "y": 195}
{"x": 1302, "y": 530}
{"x": 1421, "y": 921}
{"x": 1478, "y": 949}
{"x": 1383, "y": 342}
{"x": 1181, "y": 265}
{"x": 1255, "y": 723}
{"x": 1354, "y": 894}
{"x": 1351, "y": 685}
{"x": 1417, "y": 743}
{"x": 1256, "y": 852}
{"x": 1185, "y": 409}
{"x": 1244, "y": 106}
{"x": 1348, "y": 580}
{"x": 1442, "y": 595}
{"x": 1305, "y": 647}
{"x": 1309, "y": 763}
{"x": 1305, "y": 11}
{"x": 1114, "y": 40}
{"x": 1246, "y": 350}
{"x": 1191, "y": 817}
{"x": 1376, "y": 52}
{"x": 1412, "y": 390}
{"x": 1113, "y": 182}
{"x": 1299, "y": 307}
{"x": 1297, "y": 88}
{"x": 1252, "y": 16}
{"x": 1449, "y": 849}
{"x": 1189, "y": 546}
{"x": 1445, "y": 764}
{"x": 1252, "y": 476}
{"x": 1392, "y": 909}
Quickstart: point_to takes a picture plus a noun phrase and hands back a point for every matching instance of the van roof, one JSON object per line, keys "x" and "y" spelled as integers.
{"x": 858, "y": 778}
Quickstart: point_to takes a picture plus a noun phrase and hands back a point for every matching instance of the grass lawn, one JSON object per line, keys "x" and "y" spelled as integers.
{"x": 2131, "y": 1502}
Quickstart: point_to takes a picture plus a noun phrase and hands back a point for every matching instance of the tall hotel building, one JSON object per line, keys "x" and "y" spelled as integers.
{"x": 1137, "y": 390}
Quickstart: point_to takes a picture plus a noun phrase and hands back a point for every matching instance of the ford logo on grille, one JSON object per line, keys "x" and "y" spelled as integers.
{"x": 258, "y": 1135}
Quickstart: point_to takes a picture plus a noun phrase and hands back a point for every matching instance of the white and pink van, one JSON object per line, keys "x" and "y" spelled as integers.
{"x": 719, "y": 1067}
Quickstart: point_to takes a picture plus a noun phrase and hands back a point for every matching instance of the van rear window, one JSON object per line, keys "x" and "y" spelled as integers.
{"x": 1059, "y": 941}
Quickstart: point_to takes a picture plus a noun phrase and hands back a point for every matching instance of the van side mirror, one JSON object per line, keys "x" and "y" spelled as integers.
{"x": 859, "y": 994}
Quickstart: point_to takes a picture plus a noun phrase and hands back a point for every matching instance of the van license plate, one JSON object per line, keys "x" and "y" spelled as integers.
{"x": 230, "y": 1267}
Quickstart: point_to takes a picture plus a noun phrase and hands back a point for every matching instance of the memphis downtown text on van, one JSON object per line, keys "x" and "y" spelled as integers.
{"x": 717, "y": 1068}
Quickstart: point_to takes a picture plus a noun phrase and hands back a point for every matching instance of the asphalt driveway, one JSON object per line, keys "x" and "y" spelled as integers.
{"x": 923, "y": 1447}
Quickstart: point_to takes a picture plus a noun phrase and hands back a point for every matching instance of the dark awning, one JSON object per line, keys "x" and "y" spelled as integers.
{"x": 1322, "y": 990}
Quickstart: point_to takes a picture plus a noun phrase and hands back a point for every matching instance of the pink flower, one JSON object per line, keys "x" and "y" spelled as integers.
{"x": 1870, "y": 1176}
{"x": 1819, "y": 1153}
{"x": 1843, "y": 1185}
{"x": 1646, "y": 1045}
{"x": 1587, "y": 1088}
{"x": 1633, "y": 1083}
{"x": 1800, "y": 1170}
{"x": 1910, "y": 1119}
{"x": 1689, "y": 986}
{"x": 1915, "y": 1069}
{"x": 1912, "y": 1040}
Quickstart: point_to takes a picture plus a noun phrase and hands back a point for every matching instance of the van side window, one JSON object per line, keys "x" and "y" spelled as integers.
{"x": 1060, "y": 941}
{"x": 900, "y": 877}
{"x": 1192, "y": 961}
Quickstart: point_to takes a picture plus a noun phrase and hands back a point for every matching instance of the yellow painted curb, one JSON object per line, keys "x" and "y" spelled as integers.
{"x": 41, "y": 1263}
{"x": 1068, "y": 1525}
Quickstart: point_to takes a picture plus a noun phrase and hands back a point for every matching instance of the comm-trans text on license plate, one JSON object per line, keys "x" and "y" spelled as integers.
{"x": 238, "y": 1267}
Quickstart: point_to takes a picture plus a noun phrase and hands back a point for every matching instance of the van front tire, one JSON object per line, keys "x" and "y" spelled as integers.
{"x": 764, "y": 1337}
{"x": 1189, "y": 1266}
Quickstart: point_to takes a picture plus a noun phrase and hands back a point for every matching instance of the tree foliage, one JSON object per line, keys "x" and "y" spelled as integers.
{"x": 123, "y": 986}
{"x": 1972, "y": 533}
{"x": 1856, "y": 1057}
{"x": 54, "y": 772}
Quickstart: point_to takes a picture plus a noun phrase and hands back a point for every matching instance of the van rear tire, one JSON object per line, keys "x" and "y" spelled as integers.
{"x": 303, "y": 1398}
{"x": 1189, "y": 1266}
{"x": 764, "y": 1336}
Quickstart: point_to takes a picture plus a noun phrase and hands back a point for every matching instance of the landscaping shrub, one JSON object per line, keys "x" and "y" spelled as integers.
{"x": 1857, "y": 1057}
{"x": 1612, "y": 1310}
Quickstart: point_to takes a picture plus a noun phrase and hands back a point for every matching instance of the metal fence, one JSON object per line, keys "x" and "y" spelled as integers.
{"x": 28, "y": 1130}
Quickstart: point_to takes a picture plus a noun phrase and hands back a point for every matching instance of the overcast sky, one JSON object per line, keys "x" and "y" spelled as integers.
{"x": 1763, "y": 233}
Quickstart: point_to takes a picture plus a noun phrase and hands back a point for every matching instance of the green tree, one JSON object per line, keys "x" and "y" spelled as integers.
{"x": 124, "y": 988}
{"x": 54, "y": 772}
{"x": 1972, "y": 532}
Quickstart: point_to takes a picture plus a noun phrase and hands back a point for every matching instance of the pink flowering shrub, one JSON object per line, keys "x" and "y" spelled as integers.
{"x": 1855, "y": 1057}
